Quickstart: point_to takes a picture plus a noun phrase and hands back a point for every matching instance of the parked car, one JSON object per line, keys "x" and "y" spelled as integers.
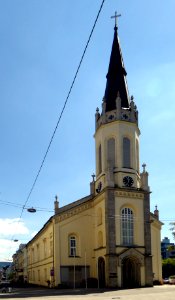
{"x": 166, "y": 280}
{"x": 5, "y": 286}
{"x": 172, "y": 279}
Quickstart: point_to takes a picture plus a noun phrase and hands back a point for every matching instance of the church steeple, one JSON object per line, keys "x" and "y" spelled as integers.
{"x": 117, "y": 132}
{"x": 116, "y": 77}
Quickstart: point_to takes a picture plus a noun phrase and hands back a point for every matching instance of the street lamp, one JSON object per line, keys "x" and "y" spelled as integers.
{"x": 31, "y": 210}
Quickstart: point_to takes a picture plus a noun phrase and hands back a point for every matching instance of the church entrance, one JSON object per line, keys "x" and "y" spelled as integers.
{"x": 130, "y": 273}
{"x": 101, "y": 272}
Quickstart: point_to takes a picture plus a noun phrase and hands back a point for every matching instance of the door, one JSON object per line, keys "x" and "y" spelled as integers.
{"x": 130, "y": 273}
{"x": 101, "y": 272}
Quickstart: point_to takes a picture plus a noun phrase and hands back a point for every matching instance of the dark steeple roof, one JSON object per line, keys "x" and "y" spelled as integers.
{"x": 116, "y": 81}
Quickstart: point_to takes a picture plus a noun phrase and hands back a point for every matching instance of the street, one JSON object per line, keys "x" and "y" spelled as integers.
{"x": 165, "y": 292}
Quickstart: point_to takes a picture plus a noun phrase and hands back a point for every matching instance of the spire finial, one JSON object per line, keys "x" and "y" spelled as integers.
{"x": 116, "y": 16}
{"x": 144, "y": 167}
{"x": 93, "y": 177}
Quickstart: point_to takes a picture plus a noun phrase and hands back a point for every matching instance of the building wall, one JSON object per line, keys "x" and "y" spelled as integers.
{"x": 49, "y": 249}
{"x": 156, "y": 250}
{"x": 79, "y": 224}
{"x": 40, "y": 256}
{"x": 87, "y": 224}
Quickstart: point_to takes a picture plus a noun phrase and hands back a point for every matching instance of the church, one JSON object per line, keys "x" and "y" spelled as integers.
{"x": 109, "y": 236}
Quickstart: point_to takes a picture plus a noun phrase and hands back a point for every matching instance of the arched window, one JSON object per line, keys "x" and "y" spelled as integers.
{"x": 127, "y": 226}
{"x": 72, "y": 245}
{"x": 99, "y": 160}
{"x": 111, "y": 152}
{"x": 126, "y": 153}
{"x": 137, "y": 156}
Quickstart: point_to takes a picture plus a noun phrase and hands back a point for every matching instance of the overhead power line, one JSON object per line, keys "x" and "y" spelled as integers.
{"x": 8, "y": 203}
{"x": 62, "y": 111}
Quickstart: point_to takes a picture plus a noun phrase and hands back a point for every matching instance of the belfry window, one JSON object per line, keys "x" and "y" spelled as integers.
{"x": 72, "y": 246}
{"x": 137, "y": 156}
{"x": 126, "y": 153}
{"x": 111, "y": 152}
{"x": 127, "y": 226}
{"x": 99, "y": 160}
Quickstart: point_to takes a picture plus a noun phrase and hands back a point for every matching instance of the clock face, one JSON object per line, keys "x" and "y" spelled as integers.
{"x": 128, "y": 181}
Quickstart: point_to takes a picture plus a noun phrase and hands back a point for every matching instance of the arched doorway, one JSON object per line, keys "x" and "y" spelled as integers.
{"x": 101, "y": 272}
{"x": 130, "y": 272}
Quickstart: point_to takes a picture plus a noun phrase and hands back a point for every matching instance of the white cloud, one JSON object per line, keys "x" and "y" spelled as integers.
{"x": 12, "y": 226}
{"x": 9, "y": 230}
{"x": 7, "y": 248}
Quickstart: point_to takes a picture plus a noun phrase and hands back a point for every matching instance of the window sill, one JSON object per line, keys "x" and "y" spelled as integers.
{"x": 76, "y": 256}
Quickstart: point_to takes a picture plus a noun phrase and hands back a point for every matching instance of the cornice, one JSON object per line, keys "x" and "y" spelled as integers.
{"x": 129, "y": 194}
{"x": 73, "y": 212}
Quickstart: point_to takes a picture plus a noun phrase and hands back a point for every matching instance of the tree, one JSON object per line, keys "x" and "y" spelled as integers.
{"x": 168, "y": 267}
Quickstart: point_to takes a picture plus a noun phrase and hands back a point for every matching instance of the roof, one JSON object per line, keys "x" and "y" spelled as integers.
{"x": 74, "y": 204}
{"x": 116, "y": 82}
{"x": 156, "y": 219}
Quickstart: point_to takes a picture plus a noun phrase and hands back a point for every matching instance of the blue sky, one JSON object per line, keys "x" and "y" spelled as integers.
{"x": 41, "y": 45}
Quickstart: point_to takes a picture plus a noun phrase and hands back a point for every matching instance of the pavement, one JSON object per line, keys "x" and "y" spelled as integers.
{"x": 164, "y": 292}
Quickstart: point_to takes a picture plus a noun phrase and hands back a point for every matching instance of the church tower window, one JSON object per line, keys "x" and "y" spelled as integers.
{"x": 99, "y": 160}
{"x": 126, "y": 153}
{"x": 137, "y": 156}
{"x": 127, "y": 226}
{"x": 111, "y": 152}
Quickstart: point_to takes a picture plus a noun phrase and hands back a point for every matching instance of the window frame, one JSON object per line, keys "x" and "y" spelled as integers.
{"x": 72, "y": 245}
{"x": 99, "y": 159}
{"x": 127, "y": 226}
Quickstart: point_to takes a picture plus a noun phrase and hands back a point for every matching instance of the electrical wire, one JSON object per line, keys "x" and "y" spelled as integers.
{"x": 62, "y": 111}
{"x": 8, "y": 203}
{"x": 64, "y": 106}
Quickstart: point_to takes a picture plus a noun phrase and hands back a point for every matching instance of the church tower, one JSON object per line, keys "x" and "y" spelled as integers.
{"x": 118, "y": 180}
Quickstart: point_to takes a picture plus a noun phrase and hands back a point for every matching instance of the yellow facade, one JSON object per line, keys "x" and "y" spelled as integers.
{"x": 40, "y": 256}
{"x": 48, "y": 253}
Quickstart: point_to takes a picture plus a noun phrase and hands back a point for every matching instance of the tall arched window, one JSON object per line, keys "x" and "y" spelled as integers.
{"x": 111, "y": 152}
{"x": 127, "y": 226}
{"x": 126, "y": 153}
{"x": 72, "y": 245}
{"x": 99, "y": 160}
{"x": 137, "y": 156}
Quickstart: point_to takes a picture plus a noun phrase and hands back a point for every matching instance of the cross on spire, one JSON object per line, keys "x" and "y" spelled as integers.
{"x": 116, "y": 16}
